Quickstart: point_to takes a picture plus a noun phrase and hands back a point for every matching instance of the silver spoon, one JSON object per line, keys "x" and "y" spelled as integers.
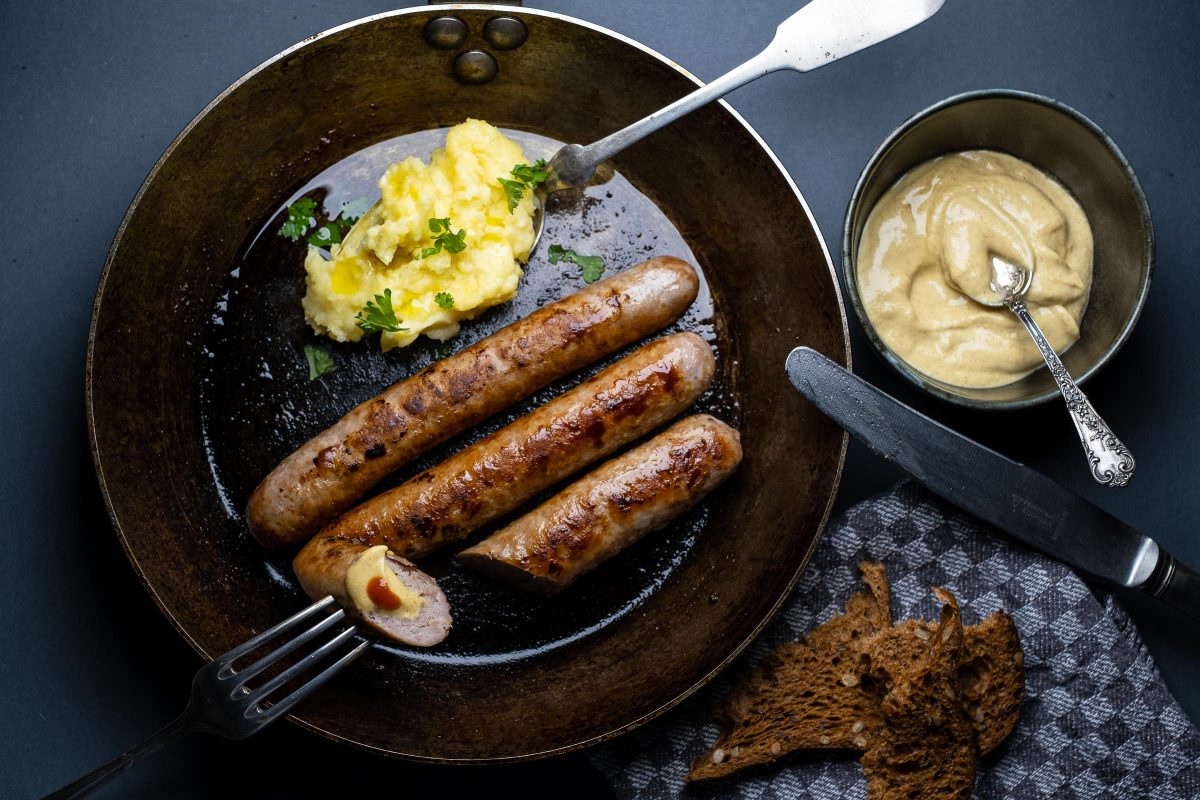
{"x": 819, "y": 33}
{"x": 1111, "y": 462}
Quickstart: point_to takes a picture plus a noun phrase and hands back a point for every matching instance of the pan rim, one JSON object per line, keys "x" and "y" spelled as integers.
{"x": 94, "y": 446}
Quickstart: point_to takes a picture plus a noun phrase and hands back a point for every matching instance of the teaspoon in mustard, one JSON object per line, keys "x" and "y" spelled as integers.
{"x": 1111, "y": 462}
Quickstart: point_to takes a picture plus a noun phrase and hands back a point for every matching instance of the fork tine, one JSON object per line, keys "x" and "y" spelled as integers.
{"x": 246, "y": 647}
{"x": 292, "y": 645}
{"x": 280, "y": 708}
{"x": 259, "y": 694}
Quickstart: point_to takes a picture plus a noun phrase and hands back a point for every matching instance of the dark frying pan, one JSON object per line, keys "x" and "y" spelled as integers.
{"x": 197, "y": 385}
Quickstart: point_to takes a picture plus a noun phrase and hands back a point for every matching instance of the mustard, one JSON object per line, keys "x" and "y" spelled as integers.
{"x": 925, "y": 255}
{"x": 372, "y": 566}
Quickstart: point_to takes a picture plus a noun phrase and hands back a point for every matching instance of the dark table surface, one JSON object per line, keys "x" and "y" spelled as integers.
{"x": 91, "y": 95}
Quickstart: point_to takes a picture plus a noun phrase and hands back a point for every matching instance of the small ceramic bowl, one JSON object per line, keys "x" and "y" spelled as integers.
{"x": 1069, "y": 146}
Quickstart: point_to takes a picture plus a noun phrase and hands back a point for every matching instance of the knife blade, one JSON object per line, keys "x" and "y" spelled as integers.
{"x": 1014, "y": 498}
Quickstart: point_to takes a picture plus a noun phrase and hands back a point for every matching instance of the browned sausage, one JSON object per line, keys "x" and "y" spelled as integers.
{"x": 330, "y": 472}
{"x": 427, "y": 628}
{"x": 500, "y": 472}
{"x": 604, "y": 512}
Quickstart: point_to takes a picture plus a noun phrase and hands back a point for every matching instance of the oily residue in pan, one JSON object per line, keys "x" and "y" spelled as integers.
{"x": 256, "y": 403}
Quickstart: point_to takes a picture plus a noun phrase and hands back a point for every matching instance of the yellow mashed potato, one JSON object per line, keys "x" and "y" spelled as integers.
{"x": 381, "y": 250}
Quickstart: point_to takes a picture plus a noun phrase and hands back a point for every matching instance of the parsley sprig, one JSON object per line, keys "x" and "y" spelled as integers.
{"x": 527, "y": 177}
{"x": 444, "y": 300}
{"x": 332, "y": 231}
{"x": 592, "y": 267}
{"x": 320, "y": 362}
{"x": 299, "y": 218}
{"x": 302, "y": 215}
{"x": 444, "y": 238}
{"x": 378, "y": 315}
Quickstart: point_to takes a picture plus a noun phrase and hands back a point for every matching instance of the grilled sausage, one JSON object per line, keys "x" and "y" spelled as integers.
{"x": 427, "y": 628}
{"x": 501, "y": 471}
{"x": 609, "y": 509}
{"x": 330, "y": 472}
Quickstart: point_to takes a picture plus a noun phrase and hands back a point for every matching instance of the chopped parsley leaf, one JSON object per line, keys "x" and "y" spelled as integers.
{"x": 320, "y": 362}
{"x": 300, "y": 219}
{"x": 444, "y": 238}
{"x": 513, "y": 192}
{"x": 527, "y": 177}
{"x": 378, "y": 315}
{"x": 592, "y": 267}
{"x": 331, "y": 232}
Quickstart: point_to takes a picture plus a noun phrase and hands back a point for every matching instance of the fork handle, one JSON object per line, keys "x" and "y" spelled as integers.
{"x": 180, "y": 726}
{"x": 1110, "y": 460}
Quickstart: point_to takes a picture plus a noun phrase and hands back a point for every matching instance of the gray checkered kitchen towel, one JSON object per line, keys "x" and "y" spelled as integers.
{"x": 1097, "y": 719}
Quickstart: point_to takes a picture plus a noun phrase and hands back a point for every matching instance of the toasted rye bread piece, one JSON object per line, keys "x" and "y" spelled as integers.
{"x": 991, "y": 673}
{"x": 789, "y": 704}
{"x": 926, "y": 746}
{"x": 992, "y": 679}
{"x": 807, "y": 695}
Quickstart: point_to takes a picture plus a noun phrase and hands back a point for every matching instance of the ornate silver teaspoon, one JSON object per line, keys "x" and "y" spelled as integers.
{"x": 1110, "y": 461}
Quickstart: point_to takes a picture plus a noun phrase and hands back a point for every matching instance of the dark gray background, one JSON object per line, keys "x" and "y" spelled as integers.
{"x": 92, "y": 93}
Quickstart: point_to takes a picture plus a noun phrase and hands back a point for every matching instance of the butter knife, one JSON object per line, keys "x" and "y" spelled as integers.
{"x": 1014, "y": 498}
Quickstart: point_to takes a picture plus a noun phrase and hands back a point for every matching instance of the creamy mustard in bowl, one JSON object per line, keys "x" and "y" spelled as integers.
{"x": 925, "y": 255}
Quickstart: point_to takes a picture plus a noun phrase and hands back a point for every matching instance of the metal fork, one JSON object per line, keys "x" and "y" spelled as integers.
{"x": 223, "y": 704}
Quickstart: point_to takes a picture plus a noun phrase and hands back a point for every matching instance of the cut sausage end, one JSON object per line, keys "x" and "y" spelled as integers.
{"x": 323, "y": 566}
{"x": 431, "y": 624}
{"x": 482, "y": 561}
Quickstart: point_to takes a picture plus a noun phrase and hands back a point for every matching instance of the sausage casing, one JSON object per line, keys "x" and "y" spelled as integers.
{"x": 330, "y": 472}
{"x": 609, "y": 509}
{"x": 500, "y": 472}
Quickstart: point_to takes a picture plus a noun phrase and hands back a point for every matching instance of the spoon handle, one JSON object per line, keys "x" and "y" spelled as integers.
{"x": 574, "y": 164}
{"x": 819, "y": 33}
{"x": 1111, "y": 462}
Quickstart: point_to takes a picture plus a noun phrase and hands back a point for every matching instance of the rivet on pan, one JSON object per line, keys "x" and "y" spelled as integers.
{"x": 505, "y": 33}
{"x": 445, "y": 33}
{"x": 475, "y": 67}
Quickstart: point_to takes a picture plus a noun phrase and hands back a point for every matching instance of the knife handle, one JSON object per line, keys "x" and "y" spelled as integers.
{"x": 1177, "y": 585}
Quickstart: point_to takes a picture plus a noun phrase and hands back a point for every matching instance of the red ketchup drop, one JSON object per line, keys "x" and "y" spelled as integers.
{"x": 381, "y": 595}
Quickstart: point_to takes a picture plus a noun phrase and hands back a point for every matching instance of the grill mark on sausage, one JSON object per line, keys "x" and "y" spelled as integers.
{"x": 415, "y": 404}
{"x": 326, "y": 458}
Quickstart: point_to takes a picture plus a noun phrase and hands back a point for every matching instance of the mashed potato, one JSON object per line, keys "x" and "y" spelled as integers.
{"x": 380, "y": 252}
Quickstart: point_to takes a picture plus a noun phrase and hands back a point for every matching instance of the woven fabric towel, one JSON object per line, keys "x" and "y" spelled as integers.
{"x": 1097, "y": 719}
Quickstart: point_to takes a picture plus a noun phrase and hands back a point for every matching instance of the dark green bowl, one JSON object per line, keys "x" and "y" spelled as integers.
{"x": 1069, "y": 146}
